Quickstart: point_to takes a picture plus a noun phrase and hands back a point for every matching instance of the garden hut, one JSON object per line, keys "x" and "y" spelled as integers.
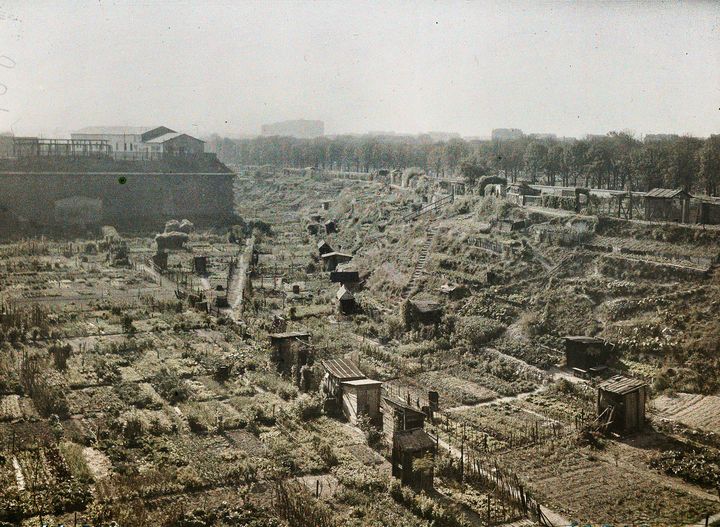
{"x": 332, "y": 259}
{"x": 337, "y": 372}
{"x": 454, "y": 291}
{"x": 399, "y": 415}
{"x": 344, "y": 276}
{"x": 289, "y": 349}
{"x": 666, "y": 204}
{"x": 324, "y": 247}
{"x": 621, "y": 404}
{"x": 412, "y": 454}
{"x": 346, "y": 301}
{"x": 586, "y": 354}
{"x": 426, "y": 311}
{"x": 361, "y": 397}
{"x": 160, "y": 260}
{"x": 200, "y": 265}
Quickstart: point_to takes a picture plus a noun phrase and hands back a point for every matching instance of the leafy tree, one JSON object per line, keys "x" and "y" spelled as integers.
{"x": 710, "y": 165}
{"x": 535, "y": 159}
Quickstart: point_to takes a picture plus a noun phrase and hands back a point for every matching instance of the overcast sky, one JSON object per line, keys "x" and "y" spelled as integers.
{"x": 206, "y": 66}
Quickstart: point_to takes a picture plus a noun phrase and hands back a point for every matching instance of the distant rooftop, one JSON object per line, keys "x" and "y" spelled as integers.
{"x": 166, "y": 137}
{"x": 115, "y": 130}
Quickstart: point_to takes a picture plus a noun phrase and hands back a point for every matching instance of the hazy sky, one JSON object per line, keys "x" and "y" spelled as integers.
{"x": 218, "y": 66}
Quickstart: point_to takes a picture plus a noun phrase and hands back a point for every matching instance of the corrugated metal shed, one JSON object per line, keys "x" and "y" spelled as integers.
{"x": 622, "y": 385}
{"x": 342, "y": 369}
{"x": 668, "y": 193}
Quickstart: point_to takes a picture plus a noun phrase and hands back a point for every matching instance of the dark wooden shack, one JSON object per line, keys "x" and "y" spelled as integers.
{"x": 200, "y": 266}
{"x": 426, "y": 311}
{"x": 454, "y": 291}
{"x": 621, "y": 403}
{"x": 666, "y": 204}
{"x": 332, "y": 259}
{"x": 160, "y": 260}
{"x": 413, "y": 452}
{"x": 324, "y": 247}
{"x": 290, "y": 349}
{"x": 586, "y": 353}
{"x": 344, "y": 276}
{"x": 346, "y": 301}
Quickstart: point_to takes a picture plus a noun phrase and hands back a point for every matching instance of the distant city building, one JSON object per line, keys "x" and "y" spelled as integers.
{"x": 506, "y": 134}
{"x": 300, "y": 128}
{"x": 654, "y": 138}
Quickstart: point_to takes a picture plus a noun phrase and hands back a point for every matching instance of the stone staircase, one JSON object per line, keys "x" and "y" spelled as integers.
{"x": 421, "y": 262}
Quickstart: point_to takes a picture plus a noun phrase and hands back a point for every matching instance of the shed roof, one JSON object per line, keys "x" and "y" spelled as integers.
{"x": 289, "y": 335}
{"x": 335, "y": 253}
{"x": 622, "y": 385}
{"x": 114, "y": 130}
{"x": 344, "y": 294}
{"x": 667, "y": 193}
{"x": 584, "y": 340}
{"x": 413, "y": 440}
{"x": 344, "y": 370}
{"x": 172, "y": 135}
{"x": 363, "y": 382}
{"x": 323, "y": 243}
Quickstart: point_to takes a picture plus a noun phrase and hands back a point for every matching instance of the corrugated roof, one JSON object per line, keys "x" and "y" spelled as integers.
{"x": 344, "y": 370}
{"x": 668, "y": 193}
{"x": 622, "y": 385}
{"x": 115, "y": 130}
{"x": 413, "y": 440}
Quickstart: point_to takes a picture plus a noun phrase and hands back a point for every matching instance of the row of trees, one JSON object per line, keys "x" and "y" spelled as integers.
{"x": 614, "y": 161}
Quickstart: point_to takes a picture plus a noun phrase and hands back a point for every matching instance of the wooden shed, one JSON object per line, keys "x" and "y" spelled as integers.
{"x": 621, "y": 403}
{"x": 667, "y": 204}
{"x": 344, "y": 276}
{"x": 586, "y": 353}
{"x": 339, "y": 380}
{"x": 399, "y": 416}
{"x": 412, "y": 454}
{"x": 362, "y": 397}
{"x": 324, "y": 247}
{"x": 289, "y": 349}
{"x": 346, "y": 301}
{"x": 200, "y": 266}
{"x": 426, "y": 311}
{"x": 332, "y": 259}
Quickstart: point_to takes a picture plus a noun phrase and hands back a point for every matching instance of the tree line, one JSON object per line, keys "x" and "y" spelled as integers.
{"x": 617, "y": 160}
